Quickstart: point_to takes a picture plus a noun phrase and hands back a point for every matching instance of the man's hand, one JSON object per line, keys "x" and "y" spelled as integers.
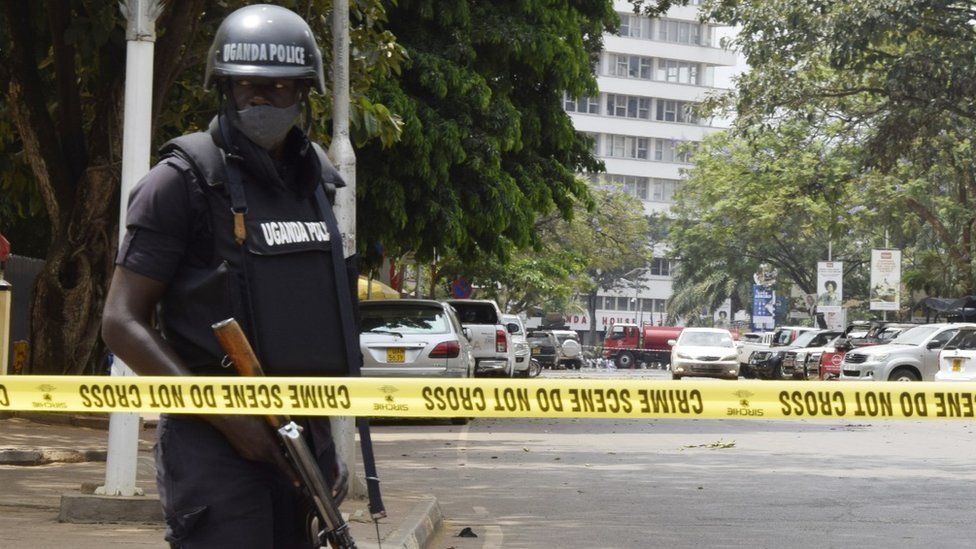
{"x": 340, "y": 488}
{"x": 252, "y": 439}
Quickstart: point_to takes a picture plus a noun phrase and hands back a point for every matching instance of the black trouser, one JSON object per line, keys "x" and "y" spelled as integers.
{"x": 215, "y": 499}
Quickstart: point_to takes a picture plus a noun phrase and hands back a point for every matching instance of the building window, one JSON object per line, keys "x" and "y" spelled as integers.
{"x": 631, "y": 66}
{"x": 628, "y": 106}
{"x": 632, "y": 185}
{"x": 660, "y": 267}
{"x": 569, "y": 104}
{"x": 664, "y": 150}
{"x": 679, "y": 32}
{"x": 676, "y": 111}
{"x": 625, "y": 146}
{"x": 630, "y": 25}
{"x": 662, "y": 190}
{"x": 680, "y": 72}
{"x": 660, "y": 306}
{"x": 586, "y": 105}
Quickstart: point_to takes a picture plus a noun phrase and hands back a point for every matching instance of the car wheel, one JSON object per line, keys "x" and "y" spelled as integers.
{"x": 903, "y": 374}
{"x": 675, "y": 377}
{"x": 777, "y": 372}
{"x": 534, "y": 368}
{"x": 460, "y": 420}
{"x": 625, "y": 360}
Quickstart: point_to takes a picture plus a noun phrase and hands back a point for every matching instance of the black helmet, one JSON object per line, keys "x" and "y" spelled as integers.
{"x": 266, "y": 41}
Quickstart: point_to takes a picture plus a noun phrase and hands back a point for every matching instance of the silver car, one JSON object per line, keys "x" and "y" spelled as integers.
{"x": 513, "y": 324}
{"x": 413, "y": 338}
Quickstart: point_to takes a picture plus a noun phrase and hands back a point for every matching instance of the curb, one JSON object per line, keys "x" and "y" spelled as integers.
{"x": 418, "y": 527}
{"x": 44, "y": 456}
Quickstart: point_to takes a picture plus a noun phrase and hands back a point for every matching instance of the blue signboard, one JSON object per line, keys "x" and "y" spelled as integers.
{"x": 763, "y": 307}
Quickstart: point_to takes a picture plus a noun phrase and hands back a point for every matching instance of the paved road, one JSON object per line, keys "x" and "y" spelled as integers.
{"x": 680, "y": 483}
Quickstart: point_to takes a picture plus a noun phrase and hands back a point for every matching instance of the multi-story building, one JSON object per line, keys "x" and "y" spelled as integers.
{"x": 650, "y": 75}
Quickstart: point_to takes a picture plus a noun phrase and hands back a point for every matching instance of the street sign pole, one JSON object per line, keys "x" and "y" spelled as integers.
{"x": 123, "y": 430}
{"x": 344, "y": 157}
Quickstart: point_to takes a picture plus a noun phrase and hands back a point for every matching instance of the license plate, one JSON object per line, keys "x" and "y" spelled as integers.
{"x": 536, "y": 350}
{"x": 956, "y": 365}
{"x": 396, "y": 354}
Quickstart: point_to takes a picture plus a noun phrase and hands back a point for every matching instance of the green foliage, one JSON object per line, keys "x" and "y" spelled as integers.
{"x": 778, "y": 198}
{"x": 485, "y": 146}
{"x": 571, "y": 258}
{"x": 897, "y": 79}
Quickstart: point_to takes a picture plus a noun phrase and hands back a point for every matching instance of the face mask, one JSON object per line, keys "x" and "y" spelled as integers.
{"x": 266, "y": 125}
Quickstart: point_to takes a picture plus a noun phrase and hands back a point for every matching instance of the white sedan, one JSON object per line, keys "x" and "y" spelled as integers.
{"x": 413, "y": 338}
{"x": 706, "y": 352}
{"x": 957, "y": 361}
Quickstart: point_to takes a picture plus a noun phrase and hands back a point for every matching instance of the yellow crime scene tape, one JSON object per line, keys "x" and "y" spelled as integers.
{"x": 543, "y": 398}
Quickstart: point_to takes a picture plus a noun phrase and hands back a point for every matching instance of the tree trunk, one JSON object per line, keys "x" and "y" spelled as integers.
{"x": 66, "y": 307}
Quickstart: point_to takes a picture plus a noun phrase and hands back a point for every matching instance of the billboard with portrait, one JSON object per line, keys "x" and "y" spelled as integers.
{"x": 885, "y": 280}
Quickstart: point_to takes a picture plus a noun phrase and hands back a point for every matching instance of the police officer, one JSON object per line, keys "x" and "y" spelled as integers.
{"x": 236, "y": 221}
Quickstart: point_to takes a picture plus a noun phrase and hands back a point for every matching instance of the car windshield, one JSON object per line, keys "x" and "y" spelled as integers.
{"x": 964, "y": 340}
{"x": 781, "y": 337}
{"x": 706, "y": 339}
{"x": 804, "y": 339}
{"x": 540, "y": 339}
{"x": 914, "y": 336}
{"x": 404, "y": 319}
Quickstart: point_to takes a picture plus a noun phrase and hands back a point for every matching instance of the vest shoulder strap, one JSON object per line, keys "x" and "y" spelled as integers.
{"x": 331, "y": 179}
{"x": 200, "y": 151}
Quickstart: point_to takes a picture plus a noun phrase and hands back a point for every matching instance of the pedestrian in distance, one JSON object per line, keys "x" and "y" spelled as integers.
{"x": 237, "y": 221}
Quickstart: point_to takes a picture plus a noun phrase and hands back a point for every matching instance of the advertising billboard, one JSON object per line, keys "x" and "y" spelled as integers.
{"x": 885, "y": 280}
{"x": 830, "y": 293}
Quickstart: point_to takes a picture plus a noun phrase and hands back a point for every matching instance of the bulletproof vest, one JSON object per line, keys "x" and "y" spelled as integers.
{"x": 271, "y": 268}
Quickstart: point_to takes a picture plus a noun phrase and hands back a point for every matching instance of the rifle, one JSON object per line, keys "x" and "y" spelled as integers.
{"x": 331, "y": 529}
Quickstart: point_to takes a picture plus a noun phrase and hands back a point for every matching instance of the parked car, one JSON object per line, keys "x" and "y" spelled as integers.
{"x": 827, "y": 361}
{"x": 569, "y": 352}
{"x": 768, "y": 363}
{"x": 413, "y": 338}
{"x": 543, "y": 347}
{"x": 707, "y": 352}
{"x": 523, "y": 360}
{"x": 957, "y": 361}
{"x": 490, "y": 341}
{"x": 912, "y": 356}
{"x": 794, "y": 362}
{"x": 749, "y": 343}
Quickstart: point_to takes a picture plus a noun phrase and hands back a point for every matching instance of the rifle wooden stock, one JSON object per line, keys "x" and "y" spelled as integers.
{"x": 304, "y": 471}
{"x": 238, "y": 349}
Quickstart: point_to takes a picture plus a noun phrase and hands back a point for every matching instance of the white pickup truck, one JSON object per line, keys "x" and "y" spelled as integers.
{"x": 750, "y": 342}
{"x": 491, "y": 344}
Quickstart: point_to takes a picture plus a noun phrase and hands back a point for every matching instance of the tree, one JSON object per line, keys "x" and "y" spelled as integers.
{"x": 486, "y": 145}
{"x": 617, "y": 241}
{"x": 899, "y": 78}
{"x": 779, "y": 197}
{"x": 61, "y": 79}
{"x": 572, "y": 259}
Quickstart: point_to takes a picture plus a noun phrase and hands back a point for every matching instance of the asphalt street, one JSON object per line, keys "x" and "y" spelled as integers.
{"x": 688, "y": 483}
